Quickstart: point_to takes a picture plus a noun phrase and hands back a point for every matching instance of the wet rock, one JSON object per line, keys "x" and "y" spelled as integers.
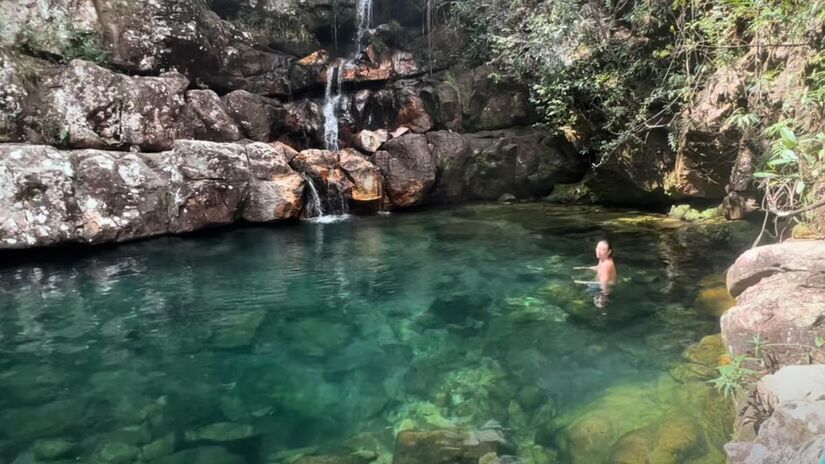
{"x": 276, "y": 191}
{"x": 204, "y": 118}
{"x": 256, "y": 115}
{"x": 365, "y": 176}
{"x": 238, "y": 329}
{"x": 118, "y": 453}
{"x": 412, "y": 447}
{"x": 163, "y": 446}
{"x": 408, "y": 168}
{"x": 714, "y": 298}
{"x": 86, "y": 106}
{"x": 53, "y": 449}
{"x": 412, "y": 113}
{"x": 707, "y": 352}
{"x": 204, "y": 455}
{"x": 370, "y": 141}
{"x": 49, "y": 420}
{"x": 221, "y": 432}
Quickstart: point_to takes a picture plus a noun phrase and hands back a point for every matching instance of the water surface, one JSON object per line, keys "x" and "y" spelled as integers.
{"x": 306, "y": 336}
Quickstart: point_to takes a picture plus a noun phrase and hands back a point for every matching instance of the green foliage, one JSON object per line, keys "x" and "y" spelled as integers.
{"x": 733, "y": 376}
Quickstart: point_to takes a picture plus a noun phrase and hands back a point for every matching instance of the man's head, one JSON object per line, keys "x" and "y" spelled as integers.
{"x": 604, "y": 250}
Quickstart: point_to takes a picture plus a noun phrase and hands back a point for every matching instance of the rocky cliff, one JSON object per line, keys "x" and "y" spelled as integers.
{"x": 777, "y": 326}
{"x": 100, "y": 98}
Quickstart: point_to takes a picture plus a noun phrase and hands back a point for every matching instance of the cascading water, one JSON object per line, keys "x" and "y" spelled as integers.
{"x": 314, "y": 208}
{"x": 363, "y": 16}
{"x": 332, "y": 99}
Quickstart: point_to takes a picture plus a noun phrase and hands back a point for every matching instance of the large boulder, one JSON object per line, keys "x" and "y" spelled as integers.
{"x": 205, "y": 118}
{"x": 36, "y": 197}
{"x": 86, "y": 106}
{"x": 794, "y": 432}
{"x": 780, "y": 297}
{"x": 635, "y": 175}
{"x": 408, "y": 168}
{"x": 486, "y": 102}
{"x": 256, "y": 115}
{"x": 522, "y": 162}
{"x": 452, "y": 154}
{"x": 90, "y": 196}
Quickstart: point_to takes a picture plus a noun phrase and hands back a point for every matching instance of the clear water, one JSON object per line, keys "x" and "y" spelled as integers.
{"x": 315, "y": 333}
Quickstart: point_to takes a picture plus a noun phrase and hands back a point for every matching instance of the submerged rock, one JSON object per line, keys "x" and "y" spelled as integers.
{"x": 238, "y": 329}
{"x": 441, "y": 446}
{"x": 204, "y": 455}
{"x": 53, "y": 449}
{"x": 221, "y": 432}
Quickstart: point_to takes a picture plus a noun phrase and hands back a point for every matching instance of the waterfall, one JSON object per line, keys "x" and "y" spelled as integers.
{"x": 332, "y": 99}
{"x": 314, "y": 208}
{"x": 364, "y": 20}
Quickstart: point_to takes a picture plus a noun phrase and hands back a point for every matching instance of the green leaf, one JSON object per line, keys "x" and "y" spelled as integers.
{"x": 787, "y": 136}
{"x": 820, "y": 342}
{"x": 800, "y": 187}
{"x": 764, "y": 175}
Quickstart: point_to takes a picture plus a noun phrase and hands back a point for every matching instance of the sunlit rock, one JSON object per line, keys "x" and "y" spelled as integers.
{"x": 370, "y": 141}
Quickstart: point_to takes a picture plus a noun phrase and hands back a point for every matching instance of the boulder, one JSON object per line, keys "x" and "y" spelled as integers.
{"x": 486, "y": 103}
{"x": 524, "y": 162}
{"x": 795, "y": 430}
{"x": 204, "y": 118}
{"x": 408, "y": 169}
{"x": 370, "y": 141}
{"x": 36, "y": 197}
{"x": 635, "y": 175}
{"x": 780, "y": 296}
{"x": 256, "y": 115}
{"x": 86, "y": 106}
{"x": 205, "y": 455}
{"x": 365, "y": 176}
{"x": 452, "y": 154}
{"x": 91, "y": 196}
{"x": 765, "y": 261}
{"x": 443, "y": 446}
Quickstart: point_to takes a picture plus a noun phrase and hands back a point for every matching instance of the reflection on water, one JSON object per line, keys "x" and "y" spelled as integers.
{"x": 251, "y": 345}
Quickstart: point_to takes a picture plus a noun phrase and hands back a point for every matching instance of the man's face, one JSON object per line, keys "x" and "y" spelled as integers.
{"x": 602, "y": 251}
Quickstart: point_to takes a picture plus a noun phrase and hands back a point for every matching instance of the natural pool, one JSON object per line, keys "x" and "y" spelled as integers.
{"x": 261, "y": 345}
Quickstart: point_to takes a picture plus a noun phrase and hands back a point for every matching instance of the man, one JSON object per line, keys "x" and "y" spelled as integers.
{"x": 605, "y": 272}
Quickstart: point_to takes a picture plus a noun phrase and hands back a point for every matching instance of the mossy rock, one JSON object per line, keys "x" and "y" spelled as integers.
{"x": 707, "y": 352}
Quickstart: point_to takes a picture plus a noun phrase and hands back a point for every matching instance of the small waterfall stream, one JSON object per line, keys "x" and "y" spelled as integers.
{"x": 332, "y": 102}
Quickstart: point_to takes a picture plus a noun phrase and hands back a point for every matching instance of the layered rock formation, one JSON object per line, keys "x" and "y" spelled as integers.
{"x": 778, "y": 321}
{"x": 91, "y": 196}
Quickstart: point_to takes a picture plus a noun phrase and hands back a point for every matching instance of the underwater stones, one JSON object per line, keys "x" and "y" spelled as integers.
{"x": 118, "y": 453}
{"x": 31, "y": 383}
{"x": 238, "y": 328}
{"x": 163, "y": 446}
{"x": 408, "y": 168}
{"x": 203, "y": 455}
{"x": 92, "y": 107}
{"x": 713, "y": 297}
{"x": 356, "y": 459}
{"x": 315, "y": 336}
{"x": 441, "y": 446}
{"x": 676, "y": 439}
{"x": 221, "y": 432}
{"x": 53, "y": 449}
{"x": 707, "y": 352}
{"x": 530, "y": 396}
{"x": 51, "y": 419}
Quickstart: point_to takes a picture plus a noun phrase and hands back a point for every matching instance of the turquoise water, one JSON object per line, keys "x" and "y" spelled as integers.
{"x": 307, "y": 335}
